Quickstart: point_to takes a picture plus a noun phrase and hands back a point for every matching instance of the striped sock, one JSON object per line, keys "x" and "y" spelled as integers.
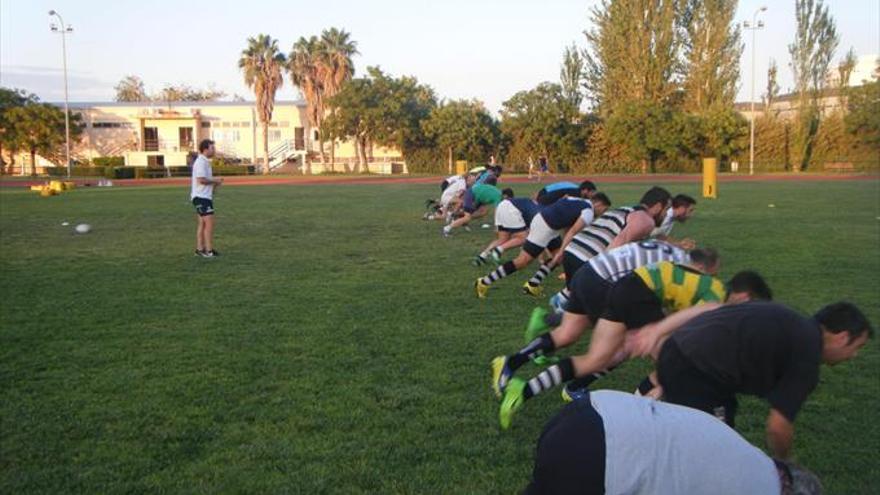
{"x": 586, "y": 381}
{"x": 549, "y": 378}
{"x": 541, "y": 274}
{"x": 543, "y": 344}
{"x": 499, "y": 273}
{"x": 497, "y": 251}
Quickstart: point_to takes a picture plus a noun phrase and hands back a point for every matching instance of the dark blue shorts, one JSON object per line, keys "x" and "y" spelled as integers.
{"x": 204, "y": 206}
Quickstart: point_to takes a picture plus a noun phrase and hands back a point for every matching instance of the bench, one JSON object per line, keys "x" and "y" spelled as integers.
{"x": 839, "y": 167}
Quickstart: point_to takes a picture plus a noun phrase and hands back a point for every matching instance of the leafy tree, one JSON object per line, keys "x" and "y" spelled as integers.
{"x": 337, "y": 66}
{"x": 183, "y": 92}
{"x": 262, "y": 63}
{"x": 811, "y": 53}
{"x": 571, "y": 75}
{"x": 772, "y": 87}
{"x": 712, "y": 49}
{"x": 461, "y": 127}
{"x": 649, "y": 130}
{"x": 131, "y": 89}
{"x": 10, "y": 99}
{"x": 633, "y": 52}
{"x": 39, "y": 129}
{"x": 863, "y": 116}
{"x": 306, "y": 73}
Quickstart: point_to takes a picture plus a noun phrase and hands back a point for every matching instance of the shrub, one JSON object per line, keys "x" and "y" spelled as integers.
{"x": 109, "y": 161}
{"x": 119, "y": 172}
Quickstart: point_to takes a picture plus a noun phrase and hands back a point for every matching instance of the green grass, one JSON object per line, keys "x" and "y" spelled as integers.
{"x": 336, "y": 347}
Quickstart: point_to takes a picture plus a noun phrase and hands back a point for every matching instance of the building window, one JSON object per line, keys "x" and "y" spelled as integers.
{"x": 110, "y": 125}
{"x": 206, "y": 124}
{"x": 226, "y": 136}
{"x": 274, "y": 135}
{"x": 244, "y": 124}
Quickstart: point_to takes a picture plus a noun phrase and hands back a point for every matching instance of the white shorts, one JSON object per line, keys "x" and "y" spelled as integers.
{"x": 451, "y": 192}
{"x": 540, "y": 234}
{"x": 508, "y": 218}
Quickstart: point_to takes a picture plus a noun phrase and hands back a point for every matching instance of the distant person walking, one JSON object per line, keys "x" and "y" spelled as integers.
{"x": 202, "y": 195}
{"x": 531, "y": 167}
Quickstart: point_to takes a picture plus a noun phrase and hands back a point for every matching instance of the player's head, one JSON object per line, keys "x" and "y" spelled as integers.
{"x": 206, "y": 147}
{"x": 683, "y": 207}
{"x": 471, "y": 179}
{"x": 845, "y": 329}
{"x": 601, "y": 203}
{"x": 748, "y": 285}
{"x": 496, "y": 169}
{"x": 656, "y": 202}
{"x": 507, "y": 193}
{"x": 706, "y": 260}
{"x": 796, "y": 480}
{"x": 588, "y": 189}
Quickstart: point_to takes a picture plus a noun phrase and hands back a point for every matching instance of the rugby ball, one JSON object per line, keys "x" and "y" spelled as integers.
{"x": 83, "y": 228}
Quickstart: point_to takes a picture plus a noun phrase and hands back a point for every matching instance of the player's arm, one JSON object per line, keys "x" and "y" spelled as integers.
{"x": 605, "y": 342}
{"x": 650, "y": 338}
{"x": 569, "y": 235}
{"x": 780, "y": 434}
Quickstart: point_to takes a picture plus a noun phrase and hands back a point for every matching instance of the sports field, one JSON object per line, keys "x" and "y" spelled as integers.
{"x": 337, "y": 346}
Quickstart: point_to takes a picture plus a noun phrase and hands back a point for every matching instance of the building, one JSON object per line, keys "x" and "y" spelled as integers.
{"x": 167, "y": 133}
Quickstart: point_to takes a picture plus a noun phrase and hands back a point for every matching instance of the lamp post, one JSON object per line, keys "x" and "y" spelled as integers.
{"x": 64, "y": 29}
{"x": 754, "y": 26}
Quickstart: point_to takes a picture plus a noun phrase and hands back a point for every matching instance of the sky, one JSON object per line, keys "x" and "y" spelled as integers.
{"x": 483, "y": 49}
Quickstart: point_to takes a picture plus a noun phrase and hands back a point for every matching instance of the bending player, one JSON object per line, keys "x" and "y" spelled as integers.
{"x": 512, "y": 218}
{"x": 544, "y": 233}
{"x": 682, "y": 209}
{"x": 475, "y": 204}
{"x": 633, "y": 302}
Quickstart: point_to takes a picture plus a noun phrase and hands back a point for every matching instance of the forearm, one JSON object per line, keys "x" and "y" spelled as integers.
{"x": 780, "y": 434}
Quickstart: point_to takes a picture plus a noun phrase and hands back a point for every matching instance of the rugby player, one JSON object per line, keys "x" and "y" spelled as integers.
{"x": 613, "y": 443}
{"x": 475, "y": 204}
{"x": 682, "y": 209}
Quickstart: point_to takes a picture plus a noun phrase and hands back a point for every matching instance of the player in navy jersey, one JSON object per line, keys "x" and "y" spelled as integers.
{"x": 545, "y": 232}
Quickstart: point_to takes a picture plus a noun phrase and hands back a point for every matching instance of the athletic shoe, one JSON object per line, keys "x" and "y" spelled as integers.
{"x": 512, "y": 402}
{"x": 213, "y": 253}
{"x": 571, "y": 395}
{"x": 446, "y": 231}
{"x": 501, "y": 374}
{"x": 478, "y": 261}
{"x": 532, "y": 290}
{"x": 198, "y": 252}
{"x": 545, "y": 360}
{"x": 557, "y": 302}
{"x": 481, "y": 288}
{"x": 536, "y": 325}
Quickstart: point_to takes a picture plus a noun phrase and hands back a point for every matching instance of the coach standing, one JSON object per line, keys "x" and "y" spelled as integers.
{"x": 202, "y": 195}
{"x": 762, "y": 349}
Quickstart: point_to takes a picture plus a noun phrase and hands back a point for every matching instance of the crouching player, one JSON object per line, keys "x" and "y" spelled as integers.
{"x": 613, "y": 443}
{"x": 475, "y": 204}
{"x": 512, "y": 219}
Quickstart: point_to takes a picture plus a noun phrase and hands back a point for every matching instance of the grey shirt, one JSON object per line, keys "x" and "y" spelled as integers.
{"x": 653, "y": 447}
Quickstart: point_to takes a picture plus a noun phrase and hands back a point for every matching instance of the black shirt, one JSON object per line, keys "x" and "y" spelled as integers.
{"x": 757, "y": 348}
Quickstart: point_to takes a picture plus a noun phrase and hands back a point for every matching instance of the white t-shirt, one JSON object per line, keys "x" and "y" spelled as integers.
{"x": 654, "y": 447}
{"x": 456, "y": 185}
{"x": 202, "y": 168}
{"x": 665, "y": 228}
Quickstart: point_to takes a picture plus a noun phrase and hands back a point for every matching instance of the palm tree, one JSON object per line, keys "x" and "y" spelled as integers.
{"x": 337, "y": 49}
{"x": 305, "y": 73}
{"x": 261, "y": 63}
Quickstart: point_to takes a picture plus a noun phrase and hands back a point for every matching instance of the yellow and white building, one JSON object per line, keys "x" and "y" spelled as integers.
{"x": 166, "y": 133}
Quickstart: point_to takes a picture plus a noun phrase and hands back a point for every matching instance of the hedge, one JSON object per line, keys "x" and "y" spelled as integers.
{"x": 109, "y": 161}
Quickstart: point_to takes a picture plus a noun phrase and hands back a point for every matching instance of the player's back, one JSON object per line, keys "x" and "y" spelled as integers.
{"x": 680, "y": 286}
{"x": 594, "y": 238}
{"x": 614, "y": 264}
{"x": 565, "y": 212}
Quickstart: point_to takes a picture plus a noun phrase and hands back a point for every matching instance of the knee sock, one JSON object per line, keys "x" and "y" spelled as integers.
{"x": 645, "y": 386}
{"x": 541, "y": 274}
{"x": 543, "y": 344}
{"x": 586, "y": 381}
{"x": 499, "y": 273}
{"x": 549, "y": 378}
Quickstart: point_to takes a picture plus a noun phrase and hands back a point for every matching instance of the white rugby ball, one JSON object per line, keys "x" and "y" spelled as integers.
{"x": 83, "y": 228}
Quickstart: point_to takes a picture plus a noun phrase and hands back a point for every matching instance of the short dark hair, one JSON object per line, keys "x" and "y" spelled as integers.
{"x": 602, "y": 198}
{"x": 751, "y": 282}
{"x": 655, "y": 195}
{"x": 588, "y": 185}
{"x": 204, "y": 144}
{"x": 683, "y": 200}
{"x": 705, "y": 256}
{"x": 844, "y": 317}
{"x": 507, "y": 192}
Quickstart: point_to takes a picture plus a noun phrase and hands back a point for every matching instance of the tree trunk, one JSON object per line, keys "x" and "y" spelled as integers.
{"x": 333, "y": 154}
{"x": 450, "y": 159}
{"x": 265, "y": 148}
{"x": 321, "y": 148}
{"x": 644, "y": 166}
{"x": 33, "y": 162}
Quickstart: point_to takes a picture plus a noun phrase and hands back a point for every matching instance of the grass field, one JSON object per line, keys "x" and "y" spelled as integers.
{"x": 336, "y": 347}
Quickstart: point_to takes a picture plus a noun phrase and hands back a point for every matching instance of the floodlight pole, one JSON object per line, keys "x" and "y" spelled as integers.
{"x": 756, "y": 25}
{"x": 64, "y": 30}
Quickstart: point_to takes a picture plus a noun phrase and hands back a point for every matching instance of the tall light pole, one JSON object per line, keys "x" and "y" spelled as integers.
{"x": 754, "y": 26}
{"x": 64, "y": 29}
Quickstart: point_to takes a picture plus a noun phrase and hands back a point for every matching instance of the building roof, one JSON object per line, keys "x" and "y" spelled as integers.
{"x": 159, "y": 104}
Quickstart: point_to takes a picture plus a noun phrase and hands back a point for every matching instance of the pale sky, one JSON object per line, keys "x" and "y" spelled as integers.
{"x": 484, "y": 49}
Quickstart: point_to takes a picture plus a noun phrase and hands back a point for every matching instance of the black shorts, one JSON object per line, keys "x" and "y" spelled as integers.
{"x": 685, "y": 385}
{"x": 632, "y": 303}
{"x": 588, "y": 293}
{"x": 204, "y": 206}
{"x": 571, "y": 264}
{"x": 571, "y": 453}
{"x": 535, "y": 250}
